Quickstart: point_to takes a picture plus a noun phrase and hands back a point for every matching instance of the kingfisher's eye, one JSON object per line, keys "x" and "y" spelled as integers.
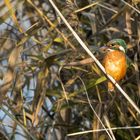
{"x": 111, "y": 45}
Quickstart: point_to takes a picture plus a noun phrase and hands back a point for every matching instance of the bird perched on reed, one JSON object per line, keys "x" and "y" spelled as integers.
{"x": 114, "y": 61}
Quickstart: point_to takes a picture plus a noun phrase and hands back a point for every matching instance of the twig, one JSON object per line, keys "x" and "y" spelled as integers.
{"x": 131, "y": 6}
{"x": 94, "y": 109}
{"x": 101, "y": 130}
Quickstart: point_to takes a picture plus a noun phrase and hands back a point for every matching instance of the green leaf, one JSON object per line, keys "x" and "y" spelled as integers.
{"x": 58, "y": 40}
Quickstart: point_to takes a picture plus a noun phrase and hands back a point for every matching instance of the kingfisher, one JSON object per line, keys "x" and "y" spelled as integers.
{"x": 114, "y": 61}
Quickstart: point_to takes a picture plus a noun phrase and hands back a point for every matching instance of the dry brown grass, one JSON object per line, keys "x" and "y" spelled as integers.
{"x": 50, "y": 87}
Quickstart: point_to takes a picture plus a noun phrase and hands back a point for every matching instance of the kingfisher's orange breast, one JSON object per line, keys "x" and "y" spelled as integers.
{"x": 115, "y": 64}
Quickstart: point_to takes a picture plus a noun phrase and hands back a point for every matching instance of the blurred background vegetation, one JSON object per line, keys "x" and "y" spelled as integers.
{"x": 49, "y": 87}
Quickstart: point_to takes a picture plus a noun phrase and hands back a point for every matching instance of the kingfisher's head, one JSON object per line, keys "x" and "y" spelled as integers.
{"x": 117, "y": 44}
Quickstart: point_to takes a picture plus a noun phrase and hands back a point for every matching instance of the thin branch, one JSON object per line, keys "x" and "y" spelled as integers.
{"x": 102, "y": 130}
{"x": 131, "y": 6}
{"x": 94, "y": 109}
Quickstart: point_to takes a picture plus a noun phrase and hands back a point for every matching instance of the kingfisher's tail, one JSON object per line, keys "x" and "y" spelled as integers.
{"x": 111, "y": 87}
